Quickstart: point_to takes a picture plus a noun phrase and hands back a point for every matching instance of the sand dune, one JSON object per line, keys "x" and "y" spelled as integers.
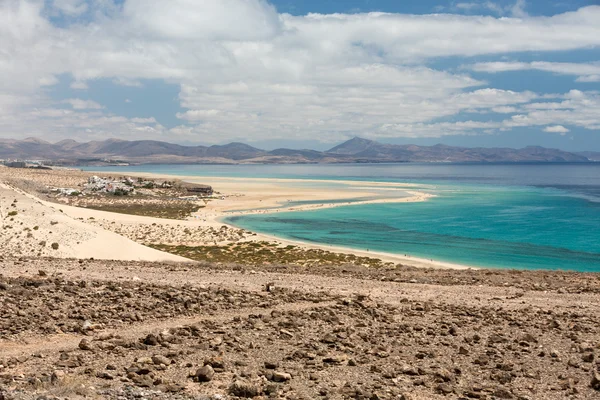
{"x": 31, "y": 227}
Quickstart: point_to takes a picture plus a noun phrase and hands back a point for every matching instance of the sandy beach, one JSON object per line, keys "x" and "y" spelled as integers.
{"x": 233, "y": 196}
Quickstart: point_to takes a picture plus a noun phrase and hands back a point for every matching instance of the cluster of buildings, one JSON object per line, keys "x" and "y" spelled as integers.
{"x": 126, "y": 186}
{"x": 23, "y": 164}
{"x": 106, "y": 185}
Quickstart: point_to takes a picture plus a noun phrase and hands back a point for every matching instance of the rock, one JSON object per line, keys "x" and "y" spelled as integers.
{"x": 216, "y": 362}
{"x": 142, "y": 380}
{"x": 151, "y": 340}
{"x": 158, "y": 359}
{"x": 338, "y": 359}
{"x": 105, "y": 375}
{"x": 595, "y": 383}
{"x": 205, "y": 374}
{"x": 444, "y": 388}
{"x": 503, "y": 393}
{"x": 242, "y": 388}
{"x": 281, "y": 377}
{"x": 271, "y": 365}
{"x": 85, "y": 344}
{"x": 585, "y": 347}
{"x": 144, "y": 360}
{"x": 329, "y": 338}
{"x": 529, "y": 338}
{"x": 408, "y": 370}
{"x": 462, "y": 350}
{"x": 57, "y": 376}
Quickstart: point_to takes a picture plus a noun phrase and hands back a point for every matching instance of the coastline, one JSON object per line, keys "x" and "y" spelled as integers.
{"x": 218, "y": 213}
{"x": 235, "y": 197}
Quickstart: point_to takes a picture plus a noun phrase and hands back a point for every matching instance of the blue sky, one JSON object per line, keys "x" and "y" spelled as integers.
{"x": 303, "y": 74}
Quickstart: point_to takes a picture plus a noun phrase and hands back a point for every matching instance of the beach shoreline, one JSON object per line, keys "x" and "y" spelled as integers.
{"x": 272, "y": 206}
{"x": 248, "y": 196}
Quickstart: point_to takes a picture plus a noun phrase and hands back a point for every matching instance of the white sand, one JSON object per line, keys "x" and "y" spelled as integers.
{"x": 75, "y": 239}
{"x": 85, "y": 233}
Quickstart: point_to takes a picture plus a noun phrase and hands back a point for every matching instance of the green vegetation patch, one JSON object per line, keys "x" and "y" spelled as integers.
{"x": 264, "y": 253}
{"x": 179, "y": 210}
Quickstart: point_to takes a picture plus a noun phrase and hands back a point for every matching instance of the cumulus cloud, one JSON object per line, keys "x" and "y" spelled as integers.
{"x": 586, "y": 72}
{"x": 556, "y": 129}
{"x": 79, "y": 104}
{"x": 516, "y": 9}
{"x": 247, "y": 72}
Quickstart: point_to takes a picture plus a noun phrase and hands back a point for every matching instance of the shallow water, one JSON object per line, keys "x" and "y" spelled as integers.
{"x": 529, "y": 216}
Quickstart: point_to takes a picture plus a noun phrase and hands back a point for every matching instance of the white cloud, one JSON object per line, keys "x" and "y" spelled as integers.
{"x": 203, "y": 19}
{"x": 586, "y": 72}
{"x": 249, "y": 73}
{"x": 557, "y": 129}
{"x": 504, "y": 109}
{"x": 589, "y": 78}
{"x": 79, "y": 104}
{"x": 79, "y": 85}
{"x": 516, "y": 9}
{"x": 127, "y": 82}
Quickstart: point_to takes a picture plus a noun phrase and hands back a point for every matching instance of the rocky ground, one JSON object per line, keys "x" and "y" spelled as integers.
{"x": 126, "y": 330}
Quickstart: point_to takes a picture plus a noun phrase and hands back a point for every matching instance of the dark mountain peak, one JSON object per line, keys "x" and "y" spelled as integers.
{"x": 352, "y": 146}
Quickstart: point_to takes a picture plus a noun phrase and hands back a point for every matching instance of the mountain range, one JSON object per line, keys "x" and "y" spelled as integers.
{"x": 352, "y": 151}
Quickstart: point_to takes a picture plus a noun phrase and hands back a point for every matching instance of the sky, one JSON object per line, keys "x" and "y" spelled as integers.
{"x": 303, "y": 74}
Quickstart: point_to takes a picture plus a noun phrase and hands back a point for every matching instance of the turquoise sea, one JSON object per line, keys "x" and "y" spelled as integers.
{"x": 526, "y": 216}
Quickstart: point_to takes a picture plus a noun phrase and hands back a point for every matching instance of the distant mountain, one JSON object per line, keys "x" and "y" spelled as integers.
{"x": 590, "y": 155}
{"x": 352, "y": 151}
{"x": 369, "y": 150}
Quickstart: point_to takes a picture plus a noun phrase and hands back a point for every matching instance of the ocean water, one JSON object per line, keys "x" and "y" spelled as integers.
{"x": 525, "y": 216}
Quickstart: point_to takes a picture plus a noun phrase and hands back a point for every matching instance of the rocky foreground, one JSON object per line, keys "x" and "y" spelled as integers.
{"x": 125, "y": 330}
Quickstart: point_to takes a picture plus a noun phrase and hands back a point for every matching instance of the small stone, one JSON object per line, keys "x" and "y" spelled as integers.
{"x": 105, "y": 375}
{"x": 242, "y": 388}
{"x": 329, "y": 338}
{"x": 205, "y": 374}
{"x": 281, "y": 376}
{"x": 444, "y": 388}
{"x": 144, "y": 360}
{"x": 216, "y": 362}
{"x": 158, "y": 360}
{"x": 151, "y": 340}
{"x": 271, "y": 365}
{"x": 503, "y": 393}
{"x": 408, "y": 370}
{"x": 85, "y": 345}
{"x": 57, "y": 376}
{"x": 595, "y": 383}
